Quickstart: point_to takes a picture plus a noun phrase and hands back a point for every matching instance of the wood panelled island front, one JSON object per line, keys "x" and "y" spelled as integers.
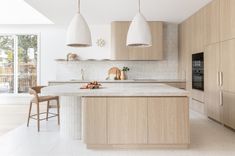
{"x": 136, "y": 122}
{"x": 138, "y": 115}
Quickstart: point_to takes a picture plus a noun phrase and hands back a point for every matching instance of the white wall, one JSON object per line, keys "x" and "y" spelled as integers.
{"x": 52, "y": 45}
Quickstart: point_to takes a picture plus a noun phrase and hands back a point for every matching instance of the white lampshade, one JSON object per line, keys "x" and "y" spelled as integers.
{"x": 78, "y": 33}
{"x": 139, "y": 33}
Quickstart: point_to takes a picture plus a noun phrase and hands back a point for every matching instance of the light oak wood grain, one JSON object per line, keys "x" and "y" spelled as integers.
{"x": 212, "y": 22}
{"x": 212, "y": 84}
{"x": 127, "y": 120}
{"x": 119, "y": 50}
{"x": 198, "y": 31}
{"x": 229, "y": 109}
{"x": 168, "y": 120}
{"x": 95, "y": 125}
{"x": 228, "y": 65}
{"x": 227, "y": 19}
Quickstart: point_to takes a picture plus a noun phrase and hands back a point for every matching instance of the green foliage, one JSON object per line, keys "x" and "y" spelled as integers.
{"x": 125, "y": 69}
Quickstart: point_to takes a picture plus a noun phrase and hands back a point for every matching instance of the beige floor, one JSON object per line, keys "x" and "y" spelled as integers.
{"x": 208, "y": 138}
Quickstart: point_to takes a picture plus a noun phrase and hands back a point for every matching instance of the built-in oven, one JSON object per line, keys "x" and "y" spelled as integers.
{"x": 198, "y": 71}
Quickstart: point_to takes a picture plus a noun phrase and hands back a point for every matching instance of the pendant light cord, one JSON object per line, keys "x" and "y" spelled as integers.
{"x": 79, "y": 6}
{"x": 139, "y": 6}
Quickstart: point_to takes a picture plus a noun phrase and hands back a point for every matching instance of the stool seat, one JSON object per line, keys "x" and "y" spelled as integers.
{"x": 44, "y": 98}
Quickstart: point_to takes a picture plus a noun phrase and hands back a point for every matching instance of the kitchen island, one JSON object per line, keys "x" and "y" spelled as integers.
{"x": 126, "y": 116}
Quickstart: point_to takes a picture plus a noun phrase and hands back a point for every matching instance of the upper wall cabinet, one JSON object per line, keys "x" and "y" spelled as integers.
{"x": 227, "y": 22}
{"x": 198, "y": 31}
{"x": 119, "y": 50}
{"x": 212, "y": 22}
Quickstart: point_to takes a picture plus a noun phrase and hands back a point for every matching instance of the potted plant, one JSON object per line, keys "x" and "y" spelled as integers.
{"x": 123, "y": 73}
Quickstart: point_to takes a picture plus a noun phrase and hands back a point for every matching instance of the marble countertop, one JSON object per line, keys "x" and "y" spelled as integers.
{"x": 135, "y": 89}
{"x": 126, "y": 81}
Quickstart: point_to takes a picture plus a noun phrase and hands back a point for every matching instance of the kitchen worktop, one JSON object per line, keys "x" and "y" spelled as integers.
{"x": 135, "y": 89}
{"x": 125, "y": 81}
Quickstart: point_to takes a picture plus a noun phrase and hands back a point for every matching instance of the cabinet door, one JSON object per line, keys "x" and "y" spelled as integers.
{"x": 168, "y": 120}
{"x": 127, "y": 120}
{"x": 119, "y": 50}
{"x": 229, "y": 109}
{"x": 212, "y": 89}
{"x": 228, "y": 65}
{"x": 152, "y": 53}
{"x": 212, "y": 22}
{"x": 227, "y": 19}
{"x": 95, "y": 120}
{"x": 198, "y": 28}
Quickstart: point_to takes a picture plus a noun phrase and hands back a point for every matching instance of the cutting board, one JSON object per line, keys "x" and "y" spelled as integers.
{"x": 114, "y": 72}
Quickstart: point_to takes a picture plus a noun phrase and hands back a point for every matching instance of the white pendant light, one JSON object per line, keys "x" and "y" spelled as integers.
{"x": 78, "y": 33}
{"x": 139, "y": 33}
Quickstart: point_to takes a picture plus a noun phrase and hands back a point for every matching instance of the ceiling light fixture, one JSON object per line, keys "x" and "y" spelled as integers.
{"x": 139, "y": 33}
{"x": 78, "y": 33}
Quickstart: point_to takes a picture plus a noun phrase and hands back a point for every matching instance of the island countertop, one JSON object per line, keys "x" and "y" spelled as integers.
{"x": 122, "y": 90}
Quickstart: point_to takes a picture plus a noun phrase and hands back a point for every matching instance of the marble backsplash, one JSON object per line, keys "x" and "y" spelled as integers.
{"x": 98, "y": 70}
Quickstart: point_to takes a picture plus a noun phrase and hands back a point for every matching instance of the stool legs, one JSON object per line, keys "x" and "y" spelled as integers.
{"x": 58, "y": 110}
{"x": 38, "y": 117}
{"x": 48, "y": 105}
{"x": 30, "y": 108}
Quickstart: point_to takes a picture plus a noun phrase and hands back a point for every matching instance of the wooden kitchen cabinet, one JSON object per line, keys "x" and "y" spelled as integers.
{"x": 95, "y": 131}
{"x": 228, "y": 65}
{"x": 185, "y": 52}
{"x": 119, "y": 50}
{"x": 170, "y": 124}
{"x": 212, "y": 22}
{"x": 227, "y": 19}
{"x": 212, "y": 84}
{"x": 127, "y": 120}
{"x": 137, "y": 122}
{"x": 198, "y": 31}
{"x": 229, "y": 109}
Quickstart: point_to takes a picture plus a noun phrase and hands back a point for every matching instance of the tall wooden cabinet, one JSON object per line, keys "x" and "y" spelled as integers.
{"x": 216, "y": 37}
{"x": 227, "y": 19}
{"x": 228, "y": 79}
{"x": 212, "y": 22}
{"x": 212, "y": 82}
{"x": 119, "y": 50}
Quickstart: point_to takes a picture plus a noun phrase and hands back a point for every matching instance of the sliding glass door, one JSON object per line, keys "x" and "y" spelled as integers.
{"x": 18, "y": 63}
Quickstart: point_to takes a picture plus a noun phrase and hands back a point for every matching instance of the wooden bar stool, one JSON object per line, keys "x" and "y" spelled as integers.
{"x": 37, "y": 100}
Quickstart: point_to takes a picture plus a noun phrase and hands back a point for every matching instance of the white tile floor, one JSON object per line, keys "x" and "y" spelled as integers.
{"x": 207, "y": 139}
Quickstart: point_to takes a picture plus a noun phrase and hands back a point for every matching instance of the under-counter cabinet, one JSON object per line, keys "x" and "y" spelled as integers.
{"x": 127, "y": 120}
{"x": 119, "y": 50}
{"x": 136, "y": 122}
{"x": 168, "y": 120}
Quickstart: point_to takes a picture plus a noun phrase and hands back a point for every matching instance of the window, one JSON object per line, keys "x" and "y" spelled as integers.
{"x": 18, "y": 63}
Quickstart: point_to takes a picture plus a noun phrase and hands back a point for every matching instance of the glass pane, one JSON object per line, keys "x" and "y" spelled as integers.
{"x": 27, "y": 62}
{"x": 6, "y": 64}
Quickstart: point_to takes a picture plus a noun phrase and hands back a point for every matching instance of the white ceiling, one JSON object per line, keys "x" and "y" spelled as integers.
{"x": 19, "y": 12}
{"x": 105, "y": 11}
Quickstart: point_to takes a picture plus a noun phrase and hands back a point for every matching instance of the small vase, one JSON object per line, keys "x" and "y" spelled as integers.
{"x": 123, "y": 75}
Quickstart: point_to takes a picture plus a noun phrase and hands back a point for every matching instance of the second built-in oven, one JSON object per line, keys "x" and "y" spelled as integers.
{"x": 198, "y": 71}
